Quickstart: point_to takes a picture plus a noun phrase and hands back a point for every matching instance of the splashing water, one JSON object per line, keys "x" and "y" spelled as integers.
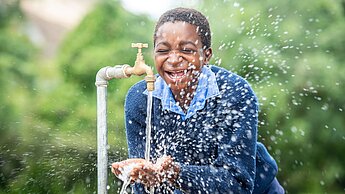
{"x": 148, "y": 125}
{"x": 124, "y": 176}
{"x": 124, "y": 186}
{"x": 148, "y": 131}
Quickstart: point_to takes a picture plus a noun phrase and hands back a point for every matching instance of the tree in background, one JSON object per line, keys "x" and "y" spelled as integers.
{"x": 17, "y": 87}
{"x": 54, "y": 150}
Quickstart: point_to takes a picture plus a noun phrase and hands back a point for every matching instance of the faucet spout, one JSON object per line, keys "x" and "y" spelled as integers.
{"x": 141, "y": 68}
{"x": 123, "y": 71}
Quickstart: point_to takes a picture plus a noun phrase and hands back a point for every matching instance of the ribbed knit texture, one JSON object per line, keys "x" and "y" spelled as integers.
{"x": 216, "y": 147}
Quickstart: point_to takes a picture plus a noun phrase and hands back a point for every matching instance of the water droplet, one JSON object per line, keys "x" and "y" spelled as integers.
{"x": 293, "y": 129}
{"x": 236, "y": 4}
{"x": 322, "y": 183}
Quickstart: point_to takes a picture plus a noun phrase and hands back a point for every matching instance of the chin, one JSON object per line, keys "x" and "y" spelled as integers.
{"x": 178, "y": 86}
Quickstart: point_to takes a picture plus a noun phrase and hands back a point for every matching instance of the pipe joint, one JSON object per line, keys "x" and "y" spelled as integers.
{"x": 107, "y": 73}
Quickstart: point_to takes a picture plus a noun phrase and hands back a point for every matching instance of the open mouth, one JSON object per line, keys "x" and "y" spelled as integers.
{"x": 177, "y": 75}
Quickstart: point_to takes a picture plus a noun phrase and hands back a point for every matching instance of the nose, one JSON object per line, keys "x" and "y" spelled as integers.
{"x": 174, "y": 57}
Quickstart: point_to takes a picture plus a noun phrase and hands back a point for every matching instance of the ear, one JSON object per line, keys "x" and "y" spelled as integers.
{"x": 208, "y": 55}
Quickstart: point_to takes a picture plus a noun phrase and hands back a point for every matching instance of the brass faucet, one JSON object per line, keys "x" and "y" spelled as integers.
{"x": 141, "y": 68}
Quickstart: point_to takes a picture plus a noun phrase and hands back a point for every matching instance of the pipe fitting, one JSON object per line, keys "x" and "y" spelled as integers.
{"x": 108, "y": 73}
{"x": 150, "y": 82}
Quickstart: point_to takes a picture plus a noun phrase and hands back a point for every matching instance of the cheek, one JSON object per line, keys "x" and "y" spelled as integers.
{"x": 159, "y": 61}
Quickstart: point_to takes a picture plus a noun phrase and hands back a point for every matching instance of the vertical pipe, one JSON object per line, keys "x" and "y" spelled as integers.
{"x": 102, "y": 139}
{"x": 102, "y": 77}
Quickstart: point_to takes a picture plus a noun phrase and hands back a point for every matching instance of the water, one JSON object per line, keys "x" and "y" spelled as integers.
{"x": 124, "y": 176}
{"x": 148, "y": 126}
{"x": 148, "y": 131}
{"x": 124, "y": 186}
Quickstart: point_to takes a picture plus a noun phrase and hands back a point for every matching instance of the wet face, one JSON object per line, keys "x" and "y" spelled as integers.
{"x": 179, "y": 56}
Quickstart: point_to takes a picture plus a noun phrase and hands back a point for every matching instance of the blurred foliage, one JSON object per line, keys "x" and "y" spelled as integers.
{"x": 9, "y": 12}
{"x": 48, "y": 110}
{"x": 17, "y": 83}
{"x": 290, "y": 51}
{"x": 110, "y": 32}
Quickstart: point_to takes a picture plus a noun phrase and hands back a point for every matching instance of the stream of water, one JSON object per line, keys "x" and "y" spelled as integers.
{"x": 125, "y": 185}
{"x": 126, "y": 178}
{"x": 148, "y": 131}
{"x": 148, "y": 126}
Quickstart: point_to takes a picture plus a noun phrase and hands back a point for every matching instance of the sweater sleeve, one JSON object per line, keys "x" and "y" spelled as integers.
{"x": 135, "y": 115}
{"x": 233, "y": 171}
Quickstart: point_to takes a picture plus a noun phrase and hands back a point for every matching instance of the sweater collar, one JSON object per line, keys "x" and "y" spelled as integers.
{"x": 207, "y": 88}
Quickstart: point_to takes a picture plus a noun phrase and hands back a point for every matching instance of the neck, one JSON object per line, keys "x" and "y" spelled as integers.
{"x": 184, "y": 97}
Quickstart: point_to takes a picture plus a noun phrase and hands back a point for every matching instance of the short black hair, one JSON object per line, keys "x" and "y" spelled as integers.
{"x": 190, "y": 16}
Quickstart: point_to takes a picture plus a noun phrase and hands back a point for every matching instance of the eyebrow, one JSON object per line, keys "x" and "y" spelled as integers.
{"x": 182, "y": 43}
{"x": 188, "y": 42}
{"x": 163, "y": 43}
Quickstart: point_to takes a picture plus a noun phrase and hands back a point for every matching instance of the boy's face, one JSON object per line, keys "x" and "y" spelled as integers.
{"x": 179, "y": 56}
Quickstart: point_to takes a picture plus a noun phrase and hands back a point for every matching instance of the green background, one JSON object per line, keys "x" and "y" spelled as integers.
{"x": 291, "y": 52}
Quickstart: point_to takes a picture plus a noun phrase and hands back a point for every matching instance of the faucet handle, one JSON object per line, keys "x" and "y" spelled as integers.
{"x": 140, "y": 46}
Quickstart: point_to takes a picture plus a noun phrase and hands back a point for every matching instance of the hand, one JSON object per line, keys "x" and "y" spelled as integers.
{"x": 147, "y": 173}
{"x": 138, "y": 170}
{"x": 168, "y": 169}
{"x": 119, "y": 168}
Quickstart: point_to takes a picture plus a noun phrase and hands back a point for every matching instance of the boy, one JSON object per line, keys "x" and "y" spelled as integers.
{"x": 204, "y": 136}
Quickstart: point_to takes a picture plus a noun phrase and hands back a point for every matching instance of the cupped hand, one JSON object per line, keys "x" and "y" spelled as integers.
{"x": 141, "y": 171}
{"x": 169, "y": 170}
{"x": 118, "y": 167}
{"x": 148, "y": 173}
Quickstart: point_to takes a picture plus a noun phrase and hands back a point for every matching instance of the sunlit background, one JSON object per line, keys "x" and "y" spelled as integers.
{"x": 291, "y": 52}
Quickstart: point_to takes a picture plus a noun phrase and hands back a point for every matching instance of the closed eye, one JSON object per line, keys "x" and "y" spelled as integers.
{"x": 162, "y": 51}
{"x": 188, "y": 51}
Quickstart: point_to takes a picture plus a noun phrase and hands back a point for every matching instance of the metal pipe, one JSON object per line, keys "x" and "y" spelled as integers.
{"x": 102, "y": 77}
{"x": 102, "y": 140}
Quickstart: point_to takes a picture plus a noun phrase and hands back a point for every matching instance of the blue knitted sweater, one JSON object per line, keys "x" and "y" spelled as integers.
{"x": 216, "y": 148}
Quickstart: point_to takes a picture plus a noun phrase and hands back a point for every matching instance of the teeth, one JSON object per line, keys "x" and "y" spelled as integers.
{"x": 177, "y": 74}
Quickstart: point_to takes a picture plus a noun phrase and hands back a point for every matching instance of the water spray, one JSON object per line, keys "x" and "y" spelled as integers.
{"x": 102, "y": 77}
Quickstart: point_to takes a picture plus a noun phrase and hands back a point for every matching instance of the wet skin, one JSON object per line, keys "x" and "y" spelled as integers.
{"x": 148, "y": 173}
{"x": 179, "y": 58}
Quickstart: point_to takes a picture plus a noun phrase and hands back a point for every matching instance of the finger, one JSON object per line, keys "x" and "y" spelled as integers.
{"x": 135, "y": 172}
{"x": 116, "y": 168}
{"x": 167, "y": 164}
{"x": 116, "y": 171}
{"x": 150, "y": 177}
{"x": 115, "y": 165}
{"x": 127, "y": 162}
{"x": 142, "y": 175}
